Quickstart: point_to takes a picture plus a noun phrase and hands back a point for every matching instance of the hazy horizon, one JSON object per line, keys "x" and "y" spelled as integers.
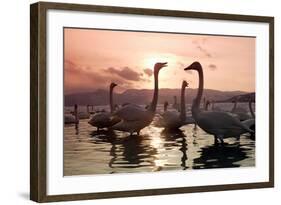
{"x": 123, "y": 91}
{"x": 94, "y": 58}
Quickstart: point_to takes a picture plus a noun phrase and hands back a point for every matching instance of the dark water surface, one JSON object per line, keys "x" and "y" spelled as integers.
{"x": 88, "y": 152}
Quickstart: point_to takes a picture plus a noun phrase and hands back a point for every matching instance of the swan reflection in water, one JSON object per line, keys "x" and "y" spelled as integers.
{"x": 127, "y": 152}
{"x": 105, "y": 152}
{"x": 220, "y": 156}
{"x": 172, "y": 135}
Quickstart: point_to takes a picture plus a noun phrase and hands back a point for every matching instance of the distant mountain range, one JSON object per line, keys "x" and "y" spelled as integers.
{"x": 144, "y": 96}
{"x": 242, "y": 98}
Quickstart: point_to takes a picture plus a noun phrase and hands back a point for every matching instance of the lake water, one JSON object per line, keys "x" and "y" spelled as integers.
{"x": 87, "y": 152}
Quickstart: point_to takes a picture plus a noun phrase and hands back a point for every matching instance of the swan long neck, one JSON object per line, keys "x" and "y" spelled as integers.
{"x": 251, "y": 108}
{"x": 197, "y": 100}
{"x": 76, "y": 113}
{"x": 165, "y": 107}
{"x": 234, "y": 106}
{"x": 206, "y": 106}
{"x": 152, "y": 108}
{"x": 204, "y": 103}
{"x": 182, "y": 111}
{"x": 111, "y": 100}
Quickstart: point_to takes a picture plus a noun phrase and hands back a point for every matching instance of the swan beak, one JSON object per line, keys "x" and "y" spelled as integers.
{"x": 194, "y": 66}
{"x": 164, "y": 64}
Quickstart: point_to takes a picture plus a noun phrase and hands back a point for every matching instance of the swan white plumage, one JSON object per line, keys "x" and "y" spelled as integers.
{"x": 219, "y": 124}
{"x": 105, "y": 119}
{"x": 174, "y": 120}
{"x": 134, "y": 118}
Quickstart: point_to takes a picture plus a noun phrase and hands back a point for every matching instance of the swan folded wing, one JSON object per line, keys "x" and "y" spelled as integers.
{"x": 220, "y": 121}
{"x": 248, "y": 123}
{"x": 100, "y": 117}
{"x": 170, "y": 118}
{"x": 83, "y": 115}
{"x": 242, "y": 116}
{"x": 69, "y": 119}
{"x": 131, "y": 113}
{"x": 169, "y": 115}
{"x": 240, "y": 110}
{"x": 129, "y": 126}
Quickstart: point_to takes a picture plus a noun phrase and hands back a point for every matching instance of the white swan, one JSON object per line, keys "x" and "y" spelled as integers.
{"x": 72, "y": 118}
{"x": 134, "y": 118}
{"x": 219, "y": 124}
{"x": 105, "y": 119}
{"x": 174, "y": 120}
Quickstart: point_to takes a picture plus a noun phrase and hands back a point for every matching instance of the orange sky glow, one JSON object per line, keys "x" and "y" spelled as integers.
{"x": 94, "y": 58}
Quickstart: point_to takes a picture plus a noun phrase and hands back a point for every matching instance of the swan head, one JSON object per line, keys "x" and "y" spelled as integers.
{"x": 112, "y": 85}
{"x": 194, "y": 66}
{"x": 158, "y": 66}
{"x": 184, "y": 84}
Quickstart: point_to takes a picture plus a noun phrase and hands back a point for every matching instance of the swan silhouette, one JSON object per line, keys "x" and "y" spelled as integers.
{"x": 251, "y": 123}
{"x": 174, "y": 120}
{"x": 105, "y": 119}
{"x": 133, "y": 117}
{"x": 206, "y": 105}
{"x": 73, "y": 117}
{"x": 219, "y": 124}
{"x": 240, "y": 112}
{"x": 176, "y": 105}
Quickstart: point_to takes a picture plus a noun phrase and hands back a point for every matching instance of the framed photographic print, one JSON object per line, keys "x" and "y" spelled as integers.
{"x": 134, "y": 102}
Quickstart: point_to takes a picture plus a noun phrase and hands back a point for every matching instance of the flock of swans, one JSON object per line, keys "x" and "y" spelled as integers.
{"x": 133, "y": 118}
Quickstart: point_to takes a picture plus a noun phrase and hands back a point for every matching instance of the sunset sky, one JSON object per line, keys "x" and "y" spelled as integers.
{"x": 94, "y": 58}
